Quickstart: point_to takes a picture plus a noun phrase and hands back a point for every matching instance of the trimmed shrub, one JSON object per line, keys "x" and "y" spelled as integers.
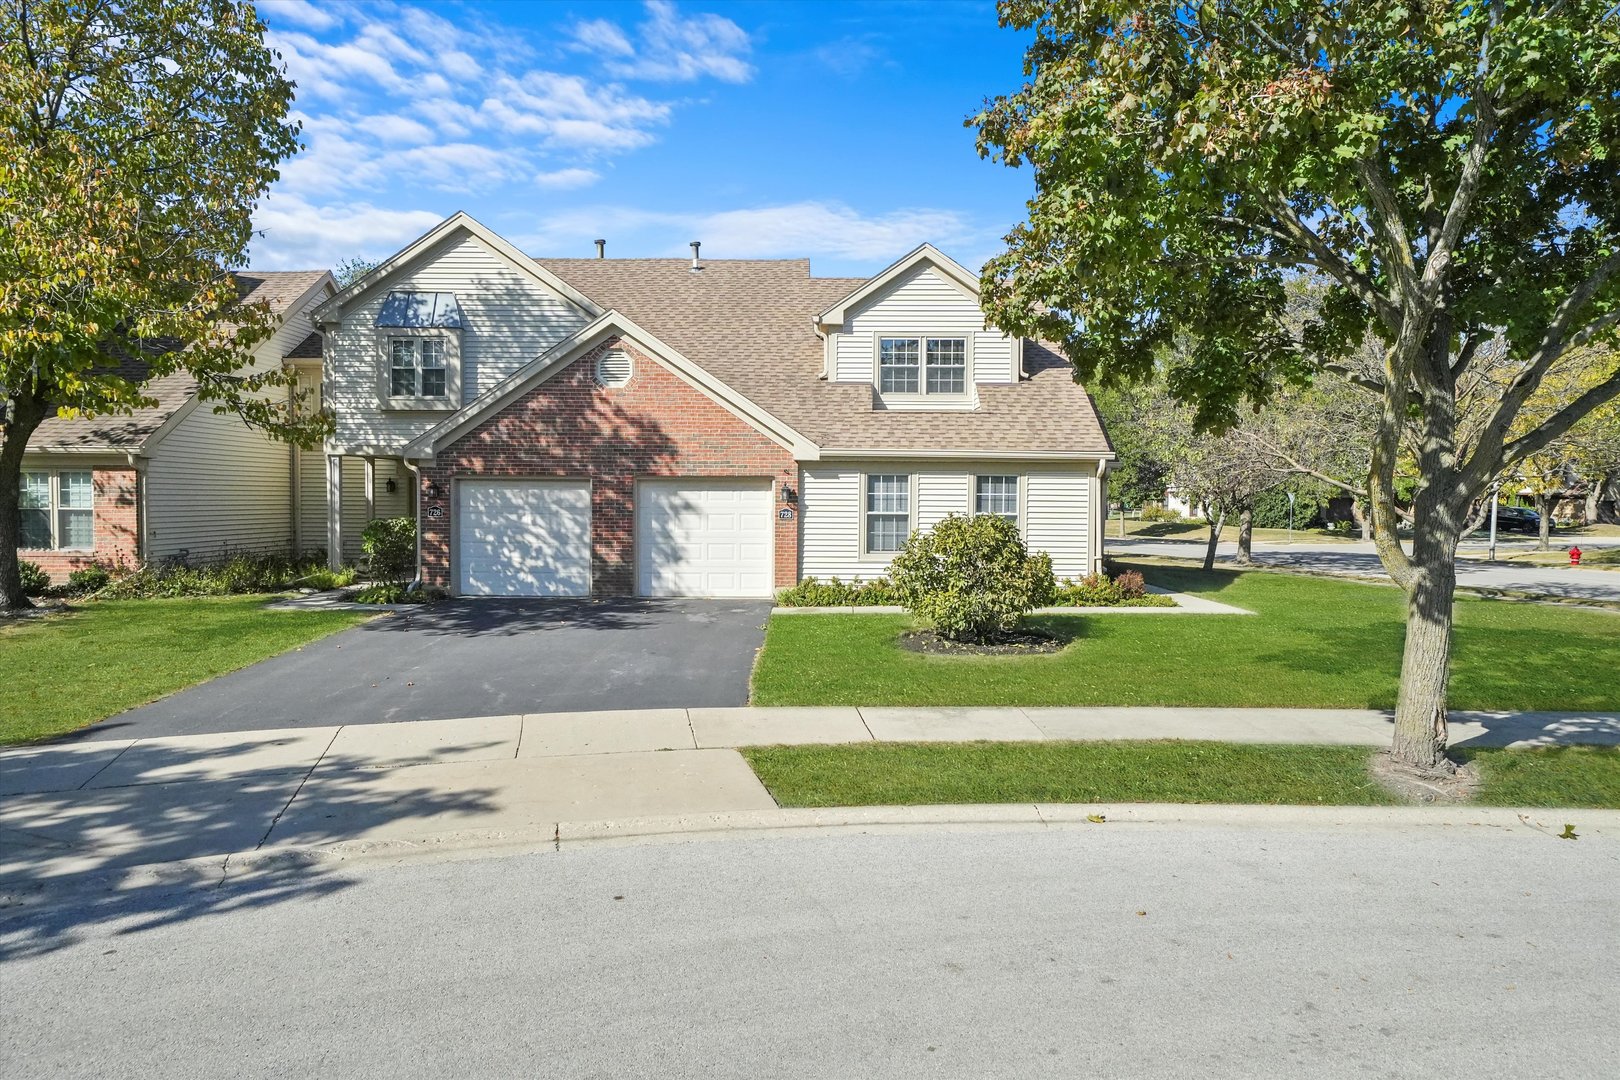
{"x": 34, "y": 578}
{"x": 1155, "y": 512}
{"x": 971, "y": 577}
{"x": 88, "y": 579}
{"x": 1126, "y": 589}
{"x": 390, "y": 548}
{"x": 1271, "y": 509}
{"x": 813, "y": 592}
{"x": 324, "y": 578}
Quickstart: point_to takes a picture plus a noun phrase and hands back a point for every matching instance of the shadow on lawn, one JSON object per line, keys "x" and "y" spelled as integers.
{"x": 70, "y": 859}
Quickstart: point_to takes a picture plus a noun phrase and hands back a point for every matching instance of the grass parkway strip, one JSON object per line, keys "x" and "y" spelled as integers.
{"x": 927, "y": 774}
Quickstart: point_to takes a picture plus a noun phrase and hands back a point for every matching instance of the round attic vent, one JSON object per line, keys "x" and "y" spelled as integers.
{"x": 613, "y": 368}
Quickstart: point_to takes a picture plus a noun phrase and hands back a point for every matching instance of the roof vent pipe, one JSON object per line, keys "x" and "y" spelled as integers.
{"x": 601, "y": 249}
{"x": 696, "y": 266}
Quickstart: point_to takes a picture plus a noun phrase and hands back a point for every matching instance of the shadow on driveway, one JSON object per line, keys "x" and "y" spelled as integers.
{"x": 480, "y": 658}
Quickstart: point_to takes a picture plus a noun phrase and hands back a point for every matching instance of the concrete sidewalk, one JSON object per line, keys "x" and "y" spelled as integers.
{"x": 75, "y": 808}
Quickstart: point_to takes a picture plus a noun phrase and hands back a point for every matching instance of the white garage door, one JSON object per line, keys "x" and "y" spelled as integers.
{"x": 523, "y": 538}
{"x": 703, "y": 538}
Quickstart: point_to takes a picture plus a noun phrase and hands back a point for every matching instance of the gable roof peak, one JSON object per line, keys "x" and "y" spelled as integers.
{"x": 921, "y": 255}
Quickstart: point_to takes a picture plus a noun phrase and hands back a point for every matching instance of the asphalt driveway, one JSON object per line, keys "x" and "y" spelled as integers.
{"x": 480, "y": 658}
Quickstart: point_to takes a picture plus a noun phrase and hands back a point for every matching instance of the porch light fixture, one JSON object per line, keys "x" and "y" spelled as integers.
{"x": 391, "y": 485}
{"x": 432, "y": 490}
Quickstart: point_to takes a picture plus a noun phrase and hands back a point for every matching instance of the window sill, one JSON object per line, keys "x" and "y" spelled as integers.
{"x": 420, "y": 404}
{"x": 924, "y": 402}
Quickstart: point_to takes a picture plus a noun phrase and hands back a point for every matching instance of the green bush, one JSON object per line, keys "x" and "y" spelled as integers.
{"x": 88, "y": 579}
{"x": 390, "y": 548}
{"x": 1271, "y": 509}
{"x": 813, "y": 592}
{"x": 1155, "y": 512}
{"x": 325, "y": 578}
{"x": 971, "y": 577}
{"x": 1126, "y": 589}
{"x": 392, "y": 592}
{"x": 34, "y": 578}
{"x": 226, "y": 576}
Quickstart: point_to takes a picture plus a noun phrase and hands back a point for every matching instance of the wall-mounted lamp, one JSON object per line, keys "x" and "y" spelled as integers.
{"x": 788, "y": 494}
{"x": 391, "y": 485}
{"x": 431, "y": 490}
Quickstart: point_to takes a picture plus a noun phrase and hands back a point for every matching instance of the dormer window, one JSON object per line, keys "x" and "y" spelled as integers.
{"x": 419, "y": 338}
{"x": 922, "y": 367}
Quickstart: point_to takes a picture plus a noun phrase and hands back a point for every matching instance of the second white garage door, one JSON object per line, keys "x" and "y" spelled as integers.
{"x": 523, "y": 538}
{"x": 703, "y": 538}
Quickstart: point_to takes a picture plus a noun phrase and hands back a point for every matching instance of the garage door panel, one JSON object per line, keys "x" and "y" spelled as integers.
{"x": 524, "y": 538}
{"x": 704, "y": 538}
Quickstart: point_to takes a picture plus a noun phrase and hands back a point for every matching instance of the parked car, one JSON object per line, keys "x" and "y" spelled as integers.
{"x": 1517, "y": 519}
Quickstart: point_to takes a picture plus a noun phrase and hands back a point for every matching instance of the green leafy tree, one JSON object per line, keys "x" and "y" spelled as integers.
{"x": 351, "y": 270}
{"x": 1448, "y": 168}
{"x": 136, "y": 138}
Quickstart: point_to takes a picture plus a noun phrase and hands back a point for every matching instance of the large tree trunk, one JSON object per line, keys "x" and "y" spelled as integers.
{"x": 26, "y": 413}
{"x": 1544, "y": 507}
{"x": 1215, "y": 525}
{"x": 1245, "y": 537}
{"x": 1420, "y": 712}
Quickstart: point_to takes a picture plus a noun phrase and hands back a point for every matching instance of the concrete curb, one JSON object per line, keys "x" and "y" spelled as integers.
{"x": 216, "y": 870}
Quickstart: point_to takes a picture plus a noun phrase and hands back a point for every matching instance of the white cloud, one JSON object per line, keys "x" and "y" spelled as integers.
{"x": 301, "y": 12}
{"x": 669, "y": 46}
{"x": 825, "y": 230}
{"x": 299, "y": 235}
{"x": 563, "y": 179}
{"x": 601, "y": 36}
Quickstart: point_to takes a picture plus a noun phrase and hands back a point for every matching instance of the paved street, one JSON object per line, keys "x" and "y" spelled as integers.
{"x": 1117, "y": 950}
{"x": 1361, "y": 560}
{"x": 479, "y": 658}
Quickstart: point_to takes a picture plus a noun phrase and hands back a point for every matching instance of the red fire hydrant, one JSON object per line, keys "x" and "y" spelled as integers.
{"x": 1574, "y": 556}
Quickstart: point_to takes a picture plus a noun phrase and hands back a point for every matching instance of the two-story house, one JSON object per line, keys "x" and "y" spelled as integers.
{"x": 665, "y": 427}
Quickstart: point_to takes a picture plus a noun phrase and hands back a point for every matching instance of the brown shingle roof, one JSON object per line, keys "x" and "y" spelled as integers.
{"x": 129, "y": 432}
{"x": 308, "y": 349}
{"x": 749, "y": 321}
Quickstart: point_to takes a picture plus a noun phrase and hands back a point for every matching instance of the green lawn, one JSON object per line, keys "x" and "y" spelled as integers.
{"x": 925, "y": 774}
{"x": 62, "y": 672}
{"x": 1315, "y": 642}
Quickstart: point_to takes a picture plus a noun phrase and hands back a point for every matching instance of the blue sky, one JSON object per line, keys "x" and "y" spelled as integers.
{"x": 827, "y": 130}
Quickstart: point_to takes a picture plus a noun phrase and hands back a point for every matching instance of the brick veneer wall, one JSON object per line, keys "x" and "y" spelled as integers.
{"x": 656, "y": 425}
{"x": 115, "y": 504}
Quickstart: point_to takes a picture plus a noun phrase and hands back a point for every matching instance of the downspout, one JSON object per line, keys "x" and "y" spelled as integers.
{"x": 416, "y": 512}
{"x": 1099, "y": 523}
{"x": 141, "y": 546}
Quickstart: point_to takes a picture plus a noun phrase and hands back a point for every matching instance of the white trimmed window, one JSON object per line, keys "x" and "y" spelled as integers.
{"x": 923, "y": 366}
{"x": 418, "y": 367}
{"x": 887, "y": 516}
{"x": 996, "y": 495}
{"x": 58, "y": 511}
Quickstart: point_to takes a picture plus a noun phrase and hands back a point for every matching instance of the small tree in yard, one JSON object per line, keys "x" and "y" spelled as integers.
{"x": 971, "y": 577}
{"x": 1450, "y": 169}
{"x": 135, "y": 139}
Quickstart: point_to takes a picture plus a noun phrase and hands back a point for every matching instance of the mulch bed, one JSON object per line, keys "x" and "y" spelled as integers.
{"x": 1025, "y": 642}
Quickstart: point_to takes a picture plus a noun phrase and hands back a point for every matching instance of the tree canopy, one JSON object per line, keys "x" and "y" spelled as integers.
{"x": 1449, "y": 169}
{"x": 136, "y": 138}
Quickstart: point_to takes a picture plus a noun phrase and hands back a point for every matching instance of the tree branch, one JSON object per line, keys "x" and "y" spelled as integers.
{"x": 1333, "y": 263}
{"x": 1561, "y": 421}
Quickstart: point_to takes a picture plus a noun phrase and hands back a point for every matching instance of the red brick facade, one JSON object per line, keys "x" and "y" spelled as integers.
{"x": 117, "y": 513}
{"x": 656, "y": 425}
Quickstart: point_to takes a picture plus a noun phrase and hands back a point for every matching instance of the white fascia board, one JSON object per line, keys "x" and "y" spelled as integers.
{"x": 969, "y": 455}
{"x": 565, "y": 352}
{"x": 954, "y": 272}
{"x": 390, "y": 268}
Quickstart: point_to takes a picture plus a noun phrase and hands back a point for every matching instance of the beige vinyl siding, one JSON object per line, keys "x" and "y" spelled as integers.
{"x": 508, "y": 319}
{"x": 216, "y": 486}
{"x": 1058, "y": 512}
{"x": 310, "y": 476}
{"x": 926, "y": 303}
{"x": 1056, "y": 507}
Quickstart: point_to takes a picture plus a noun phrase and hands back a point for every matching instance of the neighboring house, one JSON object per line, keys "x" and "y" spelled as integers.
{"x": 712, "y": 428}
{"x": 177, "y": 479}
